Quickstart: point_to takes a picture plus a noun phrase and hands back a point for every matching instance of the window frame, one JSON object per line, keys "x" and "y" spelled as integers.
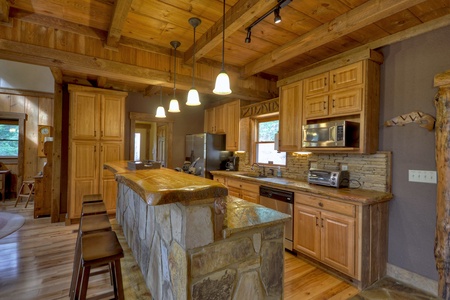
{"x": 256, "y": 121}
{"x": 16, "y": 123}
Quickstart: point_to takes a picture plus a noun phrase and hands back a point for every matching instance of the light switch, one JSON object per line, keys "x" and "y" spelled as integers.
{"x": 422, "y": 176}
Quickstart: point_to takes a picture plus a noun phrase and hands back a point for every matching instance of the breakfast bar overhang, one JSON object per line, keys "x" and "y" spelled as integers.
{"x": 193, "y": 241}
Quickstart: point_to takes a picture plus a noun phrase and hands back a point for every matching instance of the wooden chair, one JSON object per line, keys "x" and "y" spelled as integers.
{"x": 26, "y": 185}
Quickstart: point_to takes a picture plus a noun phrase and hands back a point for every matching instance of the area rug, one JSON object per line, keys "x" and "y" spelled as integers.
{"x": 9, "y": 223}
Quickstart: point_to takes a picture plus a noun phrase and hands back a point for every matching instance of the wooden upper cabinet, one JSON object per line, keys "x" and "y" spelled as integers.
{"x": 84, "y": 110}
{"x": 215, "y": 119}
{"x": 318, "y": 84}
{"x": 290, "y": 134}
{"x": 233, "y": 111}
{"x": 112, "y": 117}
{"x": 346, "y": 102}
{"x": 347, "y": 76}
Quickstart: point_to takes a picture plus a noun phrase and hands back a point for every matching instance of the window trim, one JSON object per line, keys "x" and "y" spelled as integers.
{"x": 255, "y": 123}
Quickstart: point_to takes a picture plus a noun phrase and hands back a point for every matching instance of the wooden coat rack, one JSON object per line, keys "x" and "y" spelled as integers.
{"x": 442, "y": 238}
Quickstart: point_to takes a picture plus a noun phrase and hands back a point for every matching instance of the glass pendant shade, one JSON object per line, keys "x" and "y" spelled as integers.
{"x": 174, "y": 107}
{"x": 160, "y": 112}
{"x": 222, "y": 84}
{"x": 193, "y": 99}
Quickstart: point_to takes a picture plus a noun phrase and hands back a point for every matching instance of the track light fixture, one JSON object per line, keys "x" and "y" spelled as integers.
{"x": 248, "y": 39}
{"x": 277, "y": 19}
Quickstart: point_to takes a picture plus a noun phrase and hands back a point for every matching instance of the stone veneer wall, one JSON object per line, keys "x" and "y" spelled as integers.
{"x": 175, "y": 248}
{"x": 372, "y": 171}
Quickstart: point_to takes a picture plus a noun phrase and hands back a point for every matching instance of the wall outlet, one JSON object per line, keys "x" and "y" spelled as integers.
{"x": 344, "y": 167}
{"x": 313, "y": 165}
{"x": 422, "y": 176}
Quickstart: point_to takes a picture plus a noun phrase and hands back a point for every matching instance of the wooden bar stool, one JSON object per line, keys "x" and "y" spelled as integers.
{"x": 98, "y": 249}
{"x": 88, "y": 224}
{"x": 26, "y": 184}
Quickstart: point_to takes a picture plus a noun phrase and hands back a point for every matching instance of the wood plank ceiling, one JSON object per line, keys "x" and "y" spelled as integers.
{"x": 125, "y": 44}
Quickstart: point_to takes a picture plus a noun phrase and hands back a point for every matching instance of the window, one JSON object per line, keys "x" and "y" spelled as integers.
{"x": 265, "y": 143}
{"x": 9, "y": 138}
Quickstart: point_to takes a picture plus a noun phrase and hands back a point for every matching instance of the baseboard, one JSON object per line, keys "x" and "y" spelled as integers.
{"x": 418, "y": 281}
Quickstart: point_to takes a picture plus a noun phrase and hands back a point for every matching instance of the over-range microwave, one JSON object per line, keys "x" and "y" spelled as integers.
{"x": 331, "y": 134}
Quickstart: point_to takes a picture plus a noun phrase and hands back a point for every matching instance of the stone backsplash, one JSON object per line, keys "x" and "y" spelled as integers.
{"x": 367, "y": 171}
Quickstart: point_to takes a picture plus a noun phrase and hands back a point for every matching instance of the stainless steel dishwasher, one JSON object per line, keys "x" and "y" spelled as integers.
{"x": 282, "y": 201}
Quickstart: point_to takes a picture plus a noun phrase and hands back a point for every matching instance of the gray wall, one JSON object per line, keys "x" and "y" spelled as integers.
{"x": 189, "y": 120}
{"x": 407, "y": 85}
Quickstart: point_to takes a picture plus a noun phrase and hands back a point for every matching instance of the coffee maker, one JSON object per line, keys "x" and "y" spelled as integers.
{"x": 232, "y": 163}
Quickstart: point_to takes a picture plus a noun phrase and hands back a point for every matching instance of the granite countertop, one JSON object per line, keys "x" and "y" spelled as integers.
{"x": 242, "y": 215}
{"x": 358, "y": 196}
{"x": 163, "y": 186}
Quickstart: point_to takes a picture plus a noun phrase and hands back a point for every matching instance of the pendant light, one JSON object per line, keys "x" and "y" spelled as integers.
{"x": 193, "y": 98}
{"x": 222, "y": 81}
{"x": 160, "y": 112}
{"x": 174, "y": 107}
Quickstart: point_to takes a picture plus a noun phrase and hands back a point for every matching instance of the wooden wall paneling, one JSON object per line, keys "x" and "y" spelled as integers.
{"x": 5, "y": 102}
{"x": 45, "y": 111}
{"x": 17, "y": 104}
{"x": 31, "y": 137}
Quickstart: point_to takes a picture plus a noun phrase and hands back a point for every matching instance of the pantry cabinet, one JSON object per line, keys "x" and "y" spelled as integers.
{"x": 96, "y": 136}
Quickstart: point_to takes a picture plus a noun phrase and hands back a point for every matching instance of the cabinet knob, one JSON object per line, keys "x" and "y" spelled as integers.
{"x": 320, "y": 204}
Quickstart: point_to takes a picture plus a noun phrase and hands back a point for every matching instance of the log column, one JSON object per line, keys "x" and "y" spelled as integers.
{"x": 442, "y": 236}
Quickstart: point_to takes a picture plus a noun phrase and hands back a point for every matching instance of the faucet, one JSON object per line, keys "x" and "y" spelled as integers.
{"x": 263, "y": 173}
{"x": 256, "y": 164}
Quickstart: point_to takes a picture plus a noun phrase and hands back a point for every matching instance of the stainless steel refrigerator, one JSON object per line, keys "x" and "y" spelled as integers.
{"x": 206, "y": 152}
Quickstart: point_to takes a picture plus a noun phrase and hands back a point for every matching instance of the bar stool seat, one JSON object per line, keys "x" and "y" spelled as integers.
{"x": 93, "y": 208}
{"x": 26, "y": 184}
{"x": 98, "y": 249}
{"x": 92, "y": 198}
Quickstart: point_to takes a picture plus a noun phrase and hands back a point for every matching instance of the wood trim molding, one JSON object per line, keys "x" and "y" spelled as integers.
{"x": 25, "y": 93}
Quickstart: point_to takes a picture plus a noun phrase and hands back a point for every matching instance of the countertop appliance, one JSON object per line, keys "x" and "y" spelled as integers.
{"x": 282, "y": 201}
{"x": 205, "y": 152}
{"x": 331, "y": 134}
{"x": 335, "y": 179}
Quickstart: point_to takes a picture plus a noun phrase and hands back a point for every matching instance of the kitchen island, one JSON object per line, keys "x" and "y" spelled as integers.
{"x": 193, "y": 241}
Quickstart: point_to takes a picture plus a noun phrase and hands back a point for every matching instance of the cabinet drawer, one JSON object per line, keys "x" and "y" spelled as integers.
{"x": 243, "y": 185}
{"x": 325, "y": 204}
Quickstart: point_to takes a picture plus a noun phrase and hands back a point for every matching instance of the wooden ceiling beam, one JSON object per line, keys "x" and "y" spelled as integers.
{"x": 4, "y": 11}
{"x": 235, "y": 18}
{"x": 361, "y": 16}
{"x": 121, "y": 9}
{"x": 101, "y": 81}
{"x": 79, "y": 63}
{"x": 151, "y": 90}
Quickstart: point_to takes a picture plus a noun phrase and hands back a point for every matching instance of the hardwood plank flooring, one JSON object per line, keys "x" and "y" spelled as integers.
{"x": 36, "y": 263}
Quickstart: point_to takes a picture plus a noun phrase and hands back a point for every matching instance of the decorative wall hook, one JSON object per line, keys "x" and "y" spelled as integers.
{"x": 424, "y": 120}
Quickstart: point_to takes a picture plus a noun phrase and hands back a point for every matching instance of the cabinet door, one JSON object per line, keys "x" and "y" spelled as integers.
{"x": 220, "y": 179}
{"x": 316, "y": 107}
{"x": 317, "y": 84}
{"x": 347, "y": 76}
{"x": 220, "y": 118}
{"x": 250, "y": 196}
{"x": 338, "y": 242}
{"x": 112, "y": 117}
{"x": 307, "y": 230}
{"x": 109, "y": 151}
{"x": 84, "y": 115}
{"x": 232, "y": 130}
{"x": 346, "y": 102}
{"x": 209, "y": 123}
{"x": 290, "y": 135}
{"x": 83, "y": 175}
{"x": 235, "y": 192}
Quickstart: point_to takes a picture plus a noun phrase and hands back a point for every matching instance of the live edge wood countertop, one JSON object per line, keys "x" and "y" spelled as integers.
{"x": 356, "y": 196}
{"x": 164, "y": 186}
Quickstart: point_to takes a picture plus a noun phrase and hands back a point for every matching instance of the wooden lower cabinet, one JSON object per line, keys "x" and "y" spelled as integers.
{"x": 244, "y": 190}
{"x": 348, "y": 237}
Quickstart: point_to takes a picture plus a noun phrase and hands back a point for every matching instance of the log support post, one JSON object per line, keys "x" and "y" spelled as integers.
{"x": 442, "y": 235}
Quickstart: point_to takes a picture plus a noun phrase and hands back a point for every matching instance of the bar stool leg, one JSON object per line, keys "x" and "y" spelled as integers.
{"x": 31, "y": 187}
{"x": 85, "y": 282}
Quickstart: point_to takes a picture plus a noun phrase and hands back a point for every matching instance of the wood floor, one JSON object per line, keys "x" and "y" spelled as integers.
{"x": 36, "y": 263}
